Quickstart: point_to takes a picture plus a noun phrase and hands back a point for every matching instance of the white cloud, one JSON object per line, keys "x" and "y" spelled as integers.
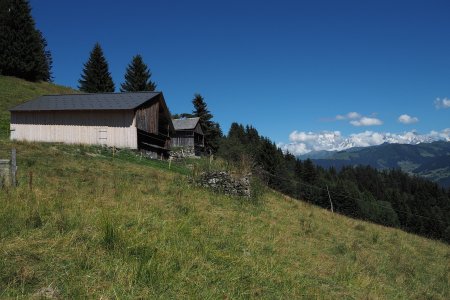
{"x": 443, "y": 135}
{"x": 363, "y": 139}
{"x": 294, "y": 148}
{"x": 353, "y": 115}
{"x": 356, "y": 119}
{"x": 304, "y": 142}
{"x": 349, "y": 116}
{"x": 407, "y": 119}
{"x": 442, "y": 103}
{"x": 366, "y": 121}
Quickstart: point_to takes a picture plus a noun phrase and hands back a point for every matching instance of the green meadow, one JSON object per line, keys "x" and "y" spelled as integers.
{"x": 85, "y": 222}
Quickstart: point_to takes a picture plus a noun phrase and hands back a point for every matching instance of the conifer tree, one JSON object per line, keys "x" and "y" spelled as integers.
{"x": 96, "y": 77}
{"x": 23, "y": 50}
{"x": 201, "y": 110}
{"x": 137, "y": 77}
{"x": 45, "y": 61}
{"x": 212, "y": 130}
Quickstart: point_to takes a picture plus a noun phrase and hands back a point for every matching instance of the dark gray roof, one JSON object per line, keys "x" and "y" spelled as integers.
{"x": 100, "y": 101}
{"x": 185, "y": 124}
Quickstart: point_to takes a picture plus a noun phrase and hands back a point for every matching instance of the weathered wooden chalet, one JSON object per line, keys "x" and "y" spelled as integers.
{"x": 134, "y": 120}
{"x": 189, "y": 135}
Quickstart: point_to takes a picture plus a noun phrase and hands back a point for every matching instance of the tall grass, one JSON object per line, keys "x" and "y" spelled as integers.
{"x": 98, "y": 226}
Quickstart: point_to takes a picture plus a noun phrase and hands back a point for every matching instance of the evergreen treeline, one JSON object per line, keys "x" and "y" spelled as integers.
{"x": 391, "y": 198}
{"x": 23, "y": 48}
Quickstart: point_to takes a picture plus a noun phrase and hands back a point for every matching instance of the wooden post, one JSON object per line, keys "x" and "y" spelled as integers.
{"x": 194, "y": 171}
{"x": 13, "y": 167}
{"x": 329, "y": 197}
{"x": 170, "y": 161}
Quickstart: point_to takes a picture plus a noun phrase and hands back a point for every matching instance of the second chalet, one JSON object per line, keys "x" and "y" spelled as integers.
{"x": 189, "y": 137}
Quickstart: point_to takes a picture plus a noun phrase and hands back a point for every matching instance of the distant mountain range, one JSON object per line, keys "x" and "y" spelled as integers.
{"x": 429, "y": 160}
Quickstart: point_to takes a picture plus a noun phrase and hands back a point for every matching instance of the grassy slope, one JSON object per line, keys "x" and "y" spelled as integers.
{"x": 103, "y": 227}
{"x": 14, "y": 91}
{"x": 99, "y": 227}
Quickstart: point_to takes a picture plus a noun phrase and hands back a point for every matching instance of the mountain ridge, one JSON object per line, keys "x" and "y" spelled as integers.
{"x": 429, "y": 160}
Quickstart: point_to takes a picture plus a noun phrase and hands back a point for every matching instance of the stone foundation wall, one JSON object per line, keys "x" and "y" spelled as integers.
{"x": 223, "y": 182}
{"x": 182, "y": 152}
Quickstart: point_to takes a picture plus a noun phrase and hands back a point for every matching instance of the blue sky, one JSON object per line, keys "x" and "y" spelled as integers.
{"x": 286, "y": 67}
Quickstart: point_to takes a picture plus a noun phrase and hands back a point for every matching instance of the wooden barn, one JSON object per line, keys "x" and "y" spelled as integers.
{"x": 135, "y": 120}
{"x": 189, "y": 135}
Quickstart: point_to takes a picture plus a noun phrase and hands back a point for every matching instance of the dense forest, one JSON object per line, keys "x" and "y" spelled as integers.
{"x": 391, "y": 197}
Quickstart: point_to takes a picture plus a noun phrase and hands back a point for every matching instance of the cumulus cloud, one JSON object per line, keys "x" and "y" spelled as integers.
{"x": 366, "y": 121}
{"x": 407, "y": 119}
{"x": 304, "y": 142}
{"x": 301, "y": 142}
{"x": 442, "y": 103}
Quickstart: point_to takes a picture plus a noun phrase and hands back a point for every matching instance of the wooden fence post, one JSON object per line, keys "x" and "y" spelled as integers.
{"x": 13, "y": 167}
{"x": 329, "y": 197}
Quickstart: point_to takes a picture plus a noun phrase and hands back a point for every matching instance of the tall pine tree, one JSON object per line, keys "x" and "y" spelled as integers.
{"x": 213, "y": 133}
{"x": 96, "y": 77}
{"x": 23, "y": 50}
{"x": 201, "y": 110}
{"x": 137, "y": 77}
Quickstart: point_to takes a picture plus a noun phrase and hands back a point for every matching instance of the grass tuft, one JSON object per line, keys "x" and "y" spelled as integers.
{"x": 34, "y": 219}
{"x": 111, "y": 238}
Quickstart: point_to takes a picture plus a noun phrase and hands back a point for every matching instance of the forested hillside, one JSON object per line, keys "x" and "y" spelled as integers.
{"x": 428, "y": 160}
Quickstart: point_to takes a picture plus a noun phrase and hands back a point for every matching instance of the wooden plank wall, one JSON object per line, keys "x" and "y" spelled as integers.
{"x": 182, "y": 141}
{"x": 112, "y": 118}
{"x": 147, "y": 118}
{"x": 111, "y": 128}
{"x": 121, "y": 137}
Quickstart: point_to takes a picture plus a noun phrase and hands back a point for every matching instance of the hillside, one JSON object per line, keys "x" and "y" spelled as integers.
{"x": 104, "y": 227}
{"x": 14, "y": 91}
{"x": 86, "y": 224}
{"x": 428, "y": 160}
